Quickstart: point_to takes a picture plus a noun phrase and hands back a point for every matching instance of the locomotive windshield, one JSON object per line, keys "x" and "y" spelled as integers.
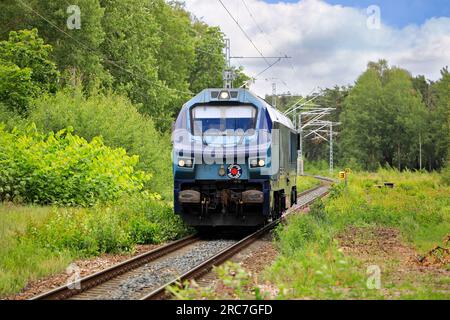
{"x": 214, "y": 119}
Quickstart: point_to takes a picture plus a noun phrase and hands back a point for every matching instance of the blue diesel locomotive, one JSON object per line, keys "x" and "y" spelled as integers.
{"x": 234, "y": 160}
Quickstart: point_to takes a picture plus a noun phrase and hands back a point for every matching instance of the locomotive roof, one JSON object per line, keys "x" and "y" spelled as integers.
{"x": 243, "y": 96}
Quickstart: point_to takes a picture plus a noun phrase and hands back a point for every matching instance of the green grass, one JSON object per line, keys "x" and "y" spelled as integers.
{"x": 22, "y": 260}
{"x": 419, "y": 205}
{"x": 304, "y": 183}
{"x": 320, "y": 168}
{"x": 39, "y": 241}
{"x": 311, "y": 265}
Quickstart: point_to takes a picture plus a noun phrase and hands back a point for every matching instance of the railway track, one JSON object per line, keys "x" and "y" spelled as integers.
{"x": 147, "y": 276}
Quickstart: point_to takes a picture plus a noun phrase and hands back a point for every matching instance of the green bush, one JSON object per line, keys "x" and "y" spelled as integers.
{"x": 63, "y": 169}
{"x": 117, "y": 121}
{"x": 11, "y": 119}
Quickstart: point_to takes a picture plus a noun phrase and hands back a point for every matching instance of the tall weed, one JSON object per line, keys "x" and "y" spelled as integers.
{"x": 63, "y": 169}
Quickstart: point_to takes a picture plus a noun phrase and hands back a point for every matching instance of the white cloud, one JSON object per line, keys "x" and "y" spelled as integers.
{"x": 330, "y": 44}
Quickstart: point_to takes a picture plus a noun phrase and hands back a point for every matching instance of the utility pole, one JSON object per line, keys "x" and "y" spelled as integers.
{"x": 331, "y": 147}
{"x": 274, "y": 94}
{"x": 228, "y": 74}
{"x": 300, "y": 149}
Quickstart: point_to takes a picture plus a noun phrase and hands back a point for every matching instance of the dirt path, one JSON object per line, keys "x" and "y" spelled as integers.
{"x": 403, "y": 272}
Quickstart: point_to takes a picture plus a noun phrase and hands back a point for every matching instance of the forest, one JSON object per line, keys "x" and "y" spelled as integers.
{"x": 384, "y": 118}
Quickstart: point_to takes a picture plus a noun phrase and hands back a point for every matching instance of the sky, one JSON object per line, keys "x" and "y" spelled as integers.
{"x": 331, "y": 41}
{"x": 398, "y": 13}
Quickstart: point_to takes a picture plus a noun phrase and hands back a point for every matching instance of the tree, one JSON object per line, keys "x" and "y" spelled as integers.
{"x": 76, "y": 51}
{"x": 25, "y": 69}
{"x": 27, "y": 50}
{"x": 10, "y": 19}
{"x": 383, "y": 119}
{"x": 176, "y": 53}
{"x": 132, "y": 43}
{"x": 362, "y": 123}
{"x": 207, "y": 70}
{"x": 316, "y": 149}
{"x": 436, "y": 148}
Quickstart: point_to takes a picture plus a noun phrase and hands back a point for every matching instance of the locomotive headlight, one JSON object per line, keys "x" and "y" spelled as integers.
{"x": 255, "y": 163}
{"x": 185, "y": 163}
{"x": 224, "y": 95}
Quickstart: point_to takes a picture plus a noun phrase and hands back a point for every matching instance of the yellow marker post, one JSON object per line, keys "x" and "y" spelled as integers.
{"x": 343, "y": 176}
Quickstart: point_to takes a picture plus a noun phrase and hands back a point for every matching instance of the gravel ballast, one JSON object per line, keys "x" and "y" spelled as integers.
{"x": 155, "y": 274}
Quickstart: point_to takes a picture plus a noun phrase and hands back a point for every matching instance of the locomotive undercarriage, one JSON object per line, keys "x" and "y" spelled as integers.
{"x": 224, "y": 203}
